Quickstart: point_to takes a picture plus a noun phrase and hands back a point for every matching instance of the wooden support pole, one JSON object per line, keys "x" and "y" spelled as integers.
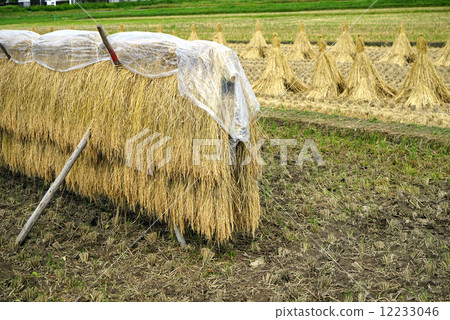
{"x": 5, "y": 52}
{"x": 180, "y": 238}
{"x": 53, "y": 188}
{"x": 108, "y": 46}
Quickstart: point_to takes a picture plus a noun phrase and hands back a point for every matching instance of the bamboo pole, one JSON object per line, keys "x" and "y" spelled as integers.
{"x": 53, "y": 188}
{"x": 5, "y": 52}
{"x": 108, "y": 46}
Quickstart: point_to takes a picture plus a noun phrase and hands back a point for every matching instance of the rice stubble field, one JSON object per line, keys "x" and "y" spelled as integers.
{"x": 371, "y": 225}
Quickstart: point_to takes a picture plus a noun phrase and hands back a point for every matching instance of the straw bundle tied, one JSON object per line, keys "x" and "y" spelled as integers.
{"x": 257, "y": 48}
{"x": 344, "y": 50}
{"x": 364, "y": 82}
{"x": 423, "y": 86}
{"x": 193, "y": 36}
{"x": 40, "y": 125}
{"x": 327, "y": 81}
{"x": 160, "y": 29}
{"x": 219, "y": 37}
{"x": 444, "y": 58}
{"x": 401, "y": 52}
{"x": 278, "y": 76}
{"x": 302, "y": 48}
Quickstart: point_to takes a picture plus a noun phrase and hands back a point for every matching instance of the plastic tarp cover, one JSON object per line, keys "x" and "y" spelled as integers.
{"x": 67, "y": 50}
{"x": 209, "y": 74}
{"x": 18, "y": 44}
{"x": 146, "y": 53}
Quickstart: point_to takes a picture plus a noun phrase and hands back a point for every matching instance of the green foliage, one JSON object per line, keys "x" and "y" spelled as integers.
{"x": 184, "y": 7}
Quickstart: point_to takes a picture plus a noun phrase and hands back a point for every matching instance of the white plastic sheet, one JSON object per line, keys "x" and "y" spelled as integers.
{"x": 149, "y": 54}
{"x": 66, "y": 50}
{"x": 18, "y": 44}
{"x": 209, "y": 74}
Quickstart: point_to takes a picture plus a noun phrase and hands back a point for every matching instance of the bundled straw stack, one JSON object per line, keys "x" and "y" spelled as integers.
{"x": 423, "y": 86}
{"x": 302, "y": 49}
{"x": 278, "y": 76}
{"x": 444, "y": 58}
{"x": 364, "y": 82}
{"x": 327, "y": 81}
{"x": 344, "y": 50}
{"x": 42, "y": 120}
{"x": 160, "y": 29}
{"x": 257, "y": 48}
{"x": 193, "y": 36}
{"x": 219, "y": 37}
{"x": 401, "y": 52}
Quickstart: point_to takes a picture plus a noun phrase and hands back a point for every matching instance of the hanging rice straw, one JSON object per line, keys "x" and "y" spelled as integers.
{"x": 423, "y": 86}
{"x": 302, "y": 48}
{"x": 278, "y": 76}
{"x": 327, "y": 81}
{"x": 193, "y": 35}
{"x": 444, "y": 58}
{"x": 401, "y": 52}
{"x": 344, "y": 50}
{"x": 219, "y": 37}
{"x": 257, "y": 48}
{"x": 364, "y": 82}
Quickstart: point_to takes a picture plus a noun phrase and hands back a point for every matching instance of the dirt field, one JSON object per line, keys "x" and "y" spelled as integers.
{"x": 387, "y": 110}
{"x": 379, "y": 210}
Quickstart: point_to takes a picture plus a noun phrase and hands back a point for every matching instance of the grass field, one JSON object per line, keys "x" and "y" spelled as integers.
{"x": 189, "y": 7}
{"x": 375, "y": 25}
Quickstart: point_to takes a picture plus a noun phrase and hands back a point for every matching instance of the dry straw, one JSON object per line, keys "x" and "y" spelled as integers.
{"x": 193, "y": 35}
{"x": 219, "y": 37}
{"x": 41, "y": 125}
{"x": 278, "y": 76}
{"x": 401, "y": 52}
{"x": 423, "y": 86}
{"x": 257, "y": 48}
{"x": 444, "y": 58}
{"x": 327, "y": 81}
{"x": 121, "y": 27}
{"x": 364, "y": 82}
{"x": 344, "y": 50}
{"x": 302, "y": 48}
{"x": 160, "y": 29}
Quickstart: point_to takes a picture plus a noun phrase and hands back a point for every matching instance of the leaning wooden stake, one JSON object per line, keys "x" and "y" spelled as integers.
{"x": 108, "y": 46}
{"x": 49, "y": 195}
{"x": 4, "y": 51}
{"x": 180, "y": 238}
